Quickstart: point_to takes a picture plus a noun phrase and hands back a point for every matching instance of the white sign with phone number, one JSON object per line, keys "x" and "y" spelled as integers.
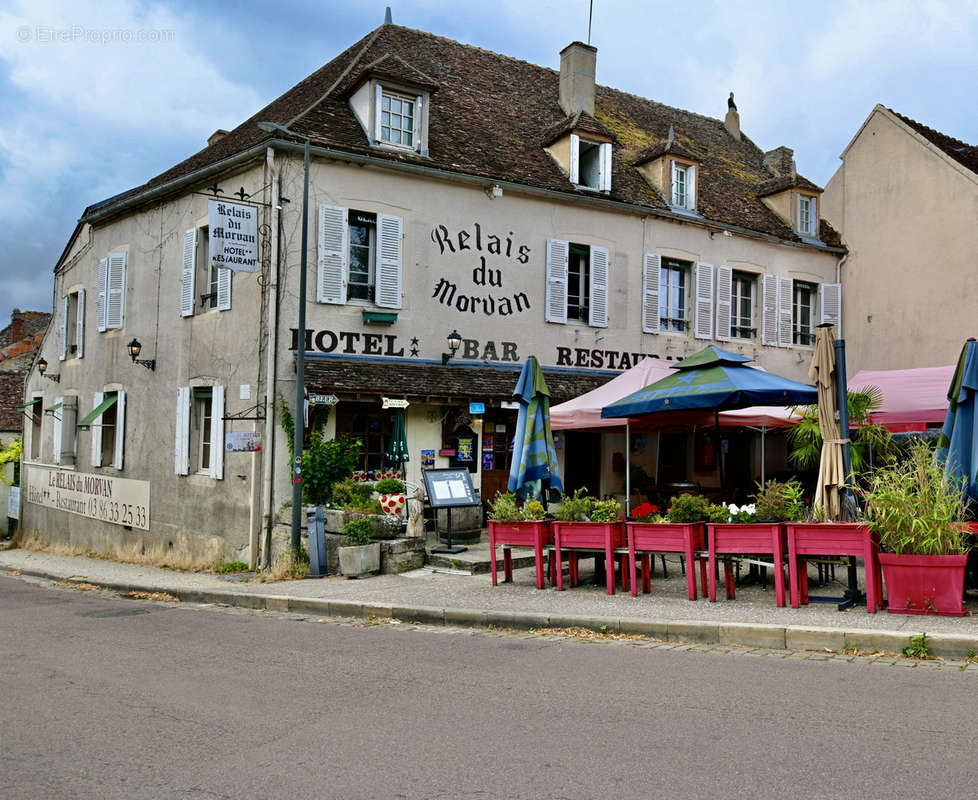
{"x": 103, "y": 497}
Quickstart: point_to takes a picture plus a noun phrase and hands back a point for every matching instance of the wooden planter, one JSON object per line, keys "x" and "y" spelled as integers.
{"x": 588, "y": 536}
{"x": 924, "y": 584}
{"x": 665, "y": 537}
{"x": 735, "y": 538}
{"x": 536, "y": 534}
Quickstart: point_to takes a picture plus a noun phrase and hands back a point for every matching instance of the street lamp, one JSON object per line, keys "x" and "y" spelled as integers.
{"x": 42, "y": 366}
{"x": 135, "y": 348}
{"x": 454, "y": 342}
{"x": 300, "y": 361}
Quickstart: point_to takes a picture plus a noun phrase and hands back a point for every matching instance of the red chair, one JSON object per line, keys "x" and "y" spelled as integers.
{"x": 735, "y": 538}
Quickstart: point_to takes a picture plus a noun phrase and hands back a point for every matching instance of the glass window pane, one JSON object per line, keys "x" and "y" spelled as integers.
{"x": 385, "y": 103}
{"x": 385, "y": 118}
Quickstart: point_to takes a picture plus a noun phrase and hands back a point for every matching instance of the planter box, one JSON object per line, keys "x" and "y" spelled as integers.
{"x": 924, "y": 584}
{"x": 588, "y": 536}
{"x": 665, "y": 537}
{"x": 518, "y": 534}
{"x": 832, "y": 539}
{"x": 356, "y": 560}
{"x": 735, "y": 538}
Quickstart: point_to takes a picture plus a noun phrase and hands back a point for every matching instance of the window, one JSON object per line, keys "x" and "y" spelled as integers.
{"x": 360, "y": 257}
{"x": 807, "y": 215}
{"x": 64, "y": 412}
{"x": 803, "y": 305}
{"x": 577, "y": 283}
{"x": 742, "y": 306}
{"x": 682, "y": 188}
{"x": 35, "y": 411}
{"x": 200, "y": 279}
{"x": 200, "y": 431}
{"x": 672, "y": 295}
{"x": 397, "y": 119}
{"x": 106, "y": 421}
{"x": 590, "y": 163}
{"x": 372, "y": 428}
{"x": 72, "y": 330}
{"x": 110, "y": 307}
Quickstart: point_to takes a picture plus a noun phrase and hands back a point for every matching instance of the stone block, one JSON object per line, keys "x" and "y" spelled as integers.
{"x": 752, "y": 635}
{"x": 401, "y": 555}
{"x": 423, "y": 614}
{"x": 952, "y": 645}
{"x": 873, "y": 641}
{"x": 799, "y": 638}
{"x": 657, "y": 629}
{"x": 699, "y": 632}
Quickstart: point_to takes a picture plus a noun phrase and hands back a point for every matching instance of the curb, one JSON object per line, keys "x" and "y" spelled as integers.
{"x": 743, "y": 634}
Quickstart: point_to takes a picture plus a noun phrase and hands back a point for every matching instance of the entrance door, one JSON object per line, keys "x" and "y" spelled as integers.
{"x": 498, "y": 429}
{"x": 582, "y": 462}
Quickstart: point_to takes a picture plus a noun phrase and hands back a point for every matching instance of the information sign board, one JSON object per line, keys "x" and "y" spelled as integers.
{"x": 449, "y": 488}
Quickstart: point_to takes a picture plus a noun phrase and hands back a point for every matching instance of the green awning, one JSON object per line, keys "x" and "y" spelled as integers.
{"x": 52, "y": 409}
{"x": 97, "y": 412}
{"x": 31, "y": 404}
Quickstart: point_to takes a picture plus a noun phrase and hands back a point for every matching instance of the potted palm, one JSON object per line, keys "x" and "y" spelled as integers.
{"x": 916, "y": 512}
{"x": 586, "y": 523}
{"x": 511, "y": 525}
{"x": 360, "y": 555}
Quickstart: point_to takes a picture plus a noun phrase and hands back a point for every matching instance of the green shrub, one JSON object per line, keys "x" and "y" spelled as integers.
{"x": 225, "y": 567}
{"x": 389, "y": 486}
{"x": 605, "y": 511}
{"x": 778, "y": 501}
{"x": 533, "y": 510}
{"x": 686, "y": 508}
{"x": 351, "y": 494}
{"x": 575, "y": 507}
{"x": 503, "y": 508}
{"x": 359, "y": 531}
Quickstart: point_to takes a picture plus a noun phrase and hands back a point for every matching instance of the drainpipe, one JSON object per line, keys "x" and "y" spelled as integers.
{"x": 271, "y": 371}
{"x": 838, "y": 280}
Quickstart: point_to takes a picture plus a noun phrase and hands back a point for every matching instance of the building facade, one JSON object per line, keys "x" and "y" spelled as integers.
{"x": 451, "y": 190}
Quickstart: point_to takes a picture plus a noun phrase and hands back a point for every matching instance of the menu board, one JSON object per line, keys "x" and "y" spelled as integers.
{"x": 449, "y": 487}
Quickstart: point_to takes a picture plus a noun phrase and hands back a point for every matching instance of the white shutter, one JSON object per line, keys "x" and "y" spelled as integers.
{"x": 96, "y": 429}
{"x": 673, "y": 198}
{"x": 56, "y": 432}
{"x": 387, "y": 290}
{"x": 832, "y": 303}
{"x": 604, "y": 174}
{"x": 63, "y": 329}
{"x": 691, "y": 187}
{"x": 223, "y": 289}
{"x": 575, "y": 158}
{"x": 217, "y": 433}
{"x": 769, "y": 310}
{"x": 80, "y": 325}
{"x": 598, "y": 303}
{"x": 558, "y": 253}
{"x": 378, "y": 105}
{"x": 724, "y": 293}
{"x": 182, "y": 448}
{"x": 418, "y": 121}
{"x": 784, "y": 312}
{"x": 187, "y": 273}
{"x": 116, "y": 294}
{"x": 333, "y": 233}
{"x": 100, "y": 304}
{"x": 120, "y": 429}
{"x": 651, "y": 275}
{"x": 704, "y": 301}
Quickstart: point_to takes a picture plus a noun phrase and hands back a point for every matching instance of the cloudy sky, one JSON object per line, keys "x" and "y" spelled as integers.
{"x": 97, "y": 96}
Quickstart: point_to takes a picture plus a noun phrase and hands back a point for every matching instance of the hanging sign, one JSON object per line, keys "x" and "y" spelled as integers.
{"x": 242, "y": 441}
{"x": 394, "y": 402}
{"x": 477, "y": 408}
{"x": 323, "y": 399}
{"x": 13, "y": 502}
{"x": 233, "y": 236}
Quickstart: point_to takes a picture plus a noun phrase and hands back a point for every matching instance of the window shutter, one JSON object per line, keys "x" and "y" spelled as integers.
{"x": 832, "y": 303}
{"x": 63, "y": 329}
{"x": 187, "y": 273}
{"x": 784, "y": 312}
{"x": 100, "y": 304}
{"x": 80, "y": 325}
{"x": 333, "y": 233}
{"x": 769, "y": 310}
{"x": 182, "y": 448}
{"x": 724, "y": 293}
{"x": 673, "y": 194}
{"x": 418, "y": 119}
{"x": 96, "y": 429}
{"x": 604, "y": 176}
{"x": 116, "y": 294}
{"x": 378, "y": 105}
{"x": 558, "y": 253}
{"x": 388, "y": 282}
{"x": 217, "y": 433}
{"x": 223, "y": 289}
{"x": 598, "y": 304}
{"x": 575, "y": 158}
{"x": 704, "y": 301}
{"x": 651, "y": 276}
{"x": 56, "y": 432}
{"x": 813, "y": 215}
{"x": 691, "y": 189}
{"x": 120, "y": 430}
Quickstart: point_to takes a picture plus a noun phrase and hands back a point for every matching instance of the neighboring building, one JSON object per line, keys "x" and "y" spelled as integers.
{"x": 905, "y": 201}
{"x": 451, "y": 189}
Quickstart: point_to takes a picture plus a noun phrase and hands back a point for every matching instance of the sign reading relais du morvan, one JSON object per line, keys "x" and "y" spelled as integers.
{"x": 233, "y": 236}
{"x": 102, "y": 497}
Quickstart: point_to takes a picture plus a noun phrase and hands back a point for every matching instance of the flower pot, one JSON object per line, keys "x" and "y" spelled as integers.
{"x": 357, "y": 560}
{"x": 392, "y": 503}
{"x": 924, "y": 584}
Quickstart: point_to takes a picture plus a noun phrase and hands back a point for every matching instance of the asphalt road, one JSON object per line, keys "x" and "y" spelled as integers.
{"x": 103, "y": 697}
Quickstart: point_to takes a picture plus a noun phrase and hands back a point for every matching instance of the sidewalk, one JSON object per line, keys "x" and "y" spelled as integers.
{"x": 751, "y": 620}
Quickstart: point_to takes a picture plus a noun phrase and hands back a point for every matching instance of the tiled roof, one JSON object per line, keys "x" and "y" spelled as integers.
{"x": 580, "y": 122}
{"x": 962, "y": 152}
{"x": 35, "y": 322}
{"x": 391, "y": 67}
{"x": 364, "y": 378}
{"x": 779, "y": 184}
{"x": 673, "y": 146}
{"x": 11, "y": 396}
{"x": 488, "y": 119}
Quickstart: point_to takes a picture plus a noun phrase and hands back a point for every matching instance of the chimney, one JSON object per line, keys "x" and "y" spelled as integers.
{"x": 219, "y": 134}
{"x": 16, "y": 326}
{"x": 780, "y": 161}
{"x": 577, "y": 67}
{"x": 732, "y": 120}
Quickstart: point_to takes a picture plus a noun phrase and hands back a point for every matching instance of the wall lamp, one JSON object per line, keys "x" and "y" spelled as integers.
{"x": 134, "y": 348}
{"x": 42, "y": 366}
{"x": 454, "y": 342}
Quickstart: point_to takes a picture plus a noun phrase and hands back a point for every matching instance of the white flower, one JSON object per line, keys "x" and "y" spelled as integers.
{"x": 751, "y": 509}
{"x": 733, "y": 509}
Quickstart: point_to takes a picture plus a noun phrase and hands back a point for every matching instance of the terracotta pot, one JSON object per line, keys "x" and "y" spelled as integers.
{"x": 924, "y": 584}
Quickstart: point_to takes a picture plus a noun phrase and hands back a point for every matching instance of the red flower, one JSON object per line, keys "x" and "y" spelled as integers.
{"x": 645, "y": 510}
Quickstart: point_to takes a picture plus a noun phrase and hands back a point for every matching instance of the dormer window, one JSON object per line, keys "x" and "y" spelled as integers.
{"x": 590, "y": 164}
{"x": 682, "y": 193}
{"x": 807, "y": 215}
{"x": 397, "y": 119}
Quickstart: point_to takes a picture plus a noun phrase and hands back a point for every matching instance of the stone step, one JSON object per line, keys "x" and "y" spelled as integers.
{"x": 475, "y": 558}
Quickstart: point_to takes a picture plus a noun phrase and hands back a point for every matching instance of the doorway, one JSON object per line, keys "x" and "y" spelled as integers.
{"x": 582, "y": 462}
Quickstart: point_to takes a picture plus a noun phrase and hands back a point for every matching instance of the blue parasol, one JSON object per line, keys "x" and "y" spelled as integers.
{"x": 957, "y": 448}
{"x": 534, "y": 456}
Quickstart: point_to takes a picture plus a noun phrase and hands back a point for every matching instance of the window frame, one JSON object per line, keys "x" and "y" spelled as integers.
{"x": 810, "y": 205}
{"x": 798, "y": 335}
{"x": 583, "y": 276}
{"x": 686, "y": 200}
{"x": 737, "y": 328}
{"x": 390, "y": 94}
{"x": 371, "y": 246}
{"x": 668, "y": 322}
{"x": 201, "y": 427}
